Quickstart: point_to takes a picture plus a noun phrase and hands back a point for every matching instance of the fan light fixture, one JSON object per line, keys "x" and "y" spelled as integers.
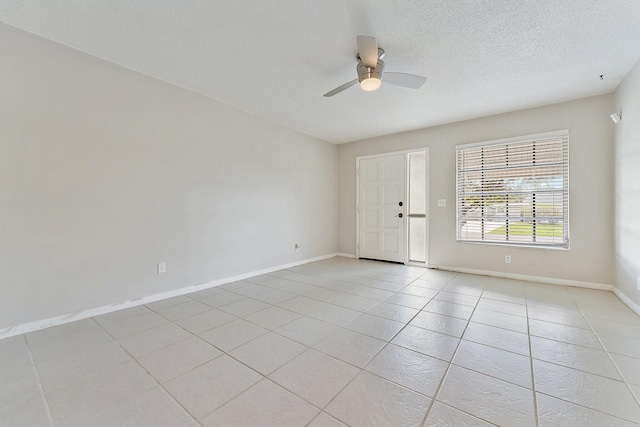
{"x": 370, "y": 84}
{"x": 370, "y": 78}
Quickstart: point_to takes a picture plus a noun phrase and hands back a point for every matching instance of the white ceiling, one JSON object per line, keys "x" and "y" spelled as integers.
{"x": 275, "y": 58}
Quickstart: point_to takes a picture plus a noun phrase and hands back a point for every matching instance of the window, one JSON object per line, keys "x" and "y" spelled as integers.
{"x": 416, "y": 212}
{"x": 514, "y": 191}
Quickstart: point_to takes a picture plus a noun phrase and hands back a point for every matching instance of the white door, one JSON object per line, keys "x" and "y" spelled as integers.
{"x": 381, "y": 208}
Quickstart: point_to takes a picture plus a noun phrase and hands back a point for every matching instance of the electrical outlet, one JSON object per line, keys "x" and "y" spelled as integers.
{"x": 298, "y": 245}
{"x": 442, "y": 203}
{"x": 507, "y": 259}
{"x": 162, "y": 267}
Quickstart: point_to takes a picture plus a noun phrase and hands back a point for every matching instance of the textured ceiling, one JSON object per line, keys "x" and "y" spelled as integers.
{"x": 275, "y": 58}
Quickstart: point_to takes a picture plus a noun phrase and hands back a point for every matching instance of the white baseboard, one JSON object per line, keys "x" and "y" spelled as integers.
{"x": 346, "y": 255}
{"x": 625, "y": 299}
{"x": 537, "y": 279}
{"x": 24, "y": 328}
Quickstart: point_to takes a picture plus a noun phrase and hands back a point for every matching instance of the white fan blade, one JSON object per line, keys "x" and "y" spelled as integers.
{"x": 405, "y": 80}
{"x": 368, "y": 51}
{"x": 341, "y": 88}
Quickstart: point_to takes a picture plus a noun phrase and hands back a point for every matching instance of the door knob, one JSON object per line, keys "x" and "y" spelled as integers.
{"x": 398, "y": 216}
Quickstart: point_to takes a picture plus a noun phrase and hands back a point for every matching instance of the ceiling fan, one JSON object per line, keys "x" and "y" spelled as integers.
{"x": 370, "y": 68}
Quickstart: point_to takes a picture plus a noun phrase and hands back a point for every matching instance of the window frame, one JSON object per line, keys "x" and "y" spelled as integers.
{"x": 506, "y": 142}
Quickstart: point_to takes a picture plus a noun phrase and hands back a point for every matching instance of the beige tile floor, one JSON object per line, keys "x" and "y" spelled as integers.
{"x": 337, "y": 342}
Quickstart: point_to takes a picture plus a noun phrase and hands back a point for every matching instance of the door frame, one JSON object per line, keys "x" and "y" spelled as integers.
{"x": 406, "y": 228}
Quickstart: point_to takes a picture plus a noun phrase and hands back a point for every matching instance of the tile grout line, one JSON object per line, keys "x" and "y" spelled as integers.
{"x": 325, "y": 413}
{"x": 580, "y": 370}
{"x": 264, "y": 377}
{"x": 371, "y": 358}
{"x": 627, "y": 384}
{"x": 332, "y": 303}
{"x": 36, "y": 373}
{"x": 533, "y": 379}
{"x": 446, "y": 374}
{"x": 158, "y": 383}
{"x": 225, "y": 353}
{"x": 449, "y": 363}
{"x": 572, "y": 344}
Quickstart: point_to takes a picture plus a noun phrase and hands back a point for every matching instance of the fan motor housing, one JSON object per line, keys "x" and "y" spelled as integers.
{"x": 365, "y": 72}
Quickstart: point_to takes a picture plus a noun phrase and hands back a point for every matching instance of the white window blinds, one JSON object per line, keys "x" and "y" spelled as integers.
{"x": 514, "y": 191}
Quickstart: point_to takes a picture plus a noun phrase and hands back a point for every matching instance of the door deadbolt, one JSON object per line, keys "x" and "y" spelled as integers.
{"x": 400, "y": 204}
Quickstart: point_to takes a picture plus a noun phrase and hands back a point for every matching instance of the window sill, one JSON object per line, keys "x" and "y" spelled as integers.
{"x": 516, "y": 245}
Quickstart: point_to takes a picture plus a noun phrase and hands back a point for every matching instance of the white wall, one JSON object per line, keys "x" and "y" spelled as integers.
{"x": 627, "y": 185}
{"x": 104, "y": 172}
{"x": 591, "y": 182}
